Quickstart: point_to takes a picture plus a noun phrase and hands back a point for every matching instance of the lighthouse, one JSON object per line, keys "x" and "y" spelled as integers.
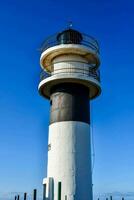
{"x": 70, "y": 78}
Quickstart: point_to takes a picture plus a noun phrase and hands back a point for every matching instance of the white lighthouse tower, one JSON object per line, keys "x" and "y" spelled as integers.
{"x": 70, "y": 78}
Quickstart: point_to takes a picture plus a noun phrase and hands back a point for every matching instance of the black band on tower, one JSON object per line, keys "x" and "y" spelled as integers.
{"x": 69, "y": 102}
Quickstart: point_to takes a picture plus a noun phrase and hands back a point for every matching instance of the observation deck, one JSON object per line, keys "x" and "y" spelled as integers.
{"x": 70, "y": 56}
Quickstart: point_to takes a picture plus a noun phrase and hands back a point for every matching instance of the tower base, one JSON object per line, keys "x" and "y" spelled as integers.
{"x": 69, "y": 161}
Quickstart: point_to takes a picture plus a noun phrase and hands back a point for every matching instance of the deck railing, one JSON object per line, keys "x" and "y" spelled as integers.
{"x": 93, "y": 73}
{"x": 87, "y": 40}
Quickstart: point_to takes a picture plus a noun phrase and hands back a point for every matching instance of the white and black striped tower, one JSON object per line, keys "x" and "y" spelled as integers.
{"x": 70, "y": 78}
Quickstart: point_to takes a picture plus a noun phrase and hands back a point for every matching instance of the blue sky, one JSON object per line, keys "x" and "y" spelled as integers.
{"x": 24, "y": 114}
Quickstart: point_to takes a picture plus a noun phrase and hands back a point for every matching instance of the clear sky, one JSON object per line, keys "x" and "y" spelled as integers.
{"x": 24, "y": 115}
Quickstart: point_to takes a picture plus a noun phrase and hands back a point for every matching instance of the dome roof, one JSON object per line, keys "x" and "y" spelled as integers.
{"x": 69, "y": 36}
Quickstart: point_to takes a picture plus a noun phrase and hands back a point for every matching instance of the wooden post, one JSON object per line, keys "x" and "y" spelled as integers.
{"x": 44, "y": 191}
{"x": 25, "y": 196}
{"x": 34, "y": 194}
{"x": 59, "y": 190}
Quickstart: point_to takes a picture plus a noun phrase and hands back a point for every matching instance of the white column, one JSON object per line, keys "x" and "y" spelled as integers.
{"x": 69, "y": 159}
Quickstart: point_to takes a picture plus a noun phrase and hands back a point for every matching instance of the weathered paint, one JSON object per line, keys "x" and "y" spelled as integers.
{"x": 69, "y": 160}
{"x": 51, "y": 53}
{"x": 70, "y": 68}
{"x": 70, "y": 77}
{"x": 69, "y": 102}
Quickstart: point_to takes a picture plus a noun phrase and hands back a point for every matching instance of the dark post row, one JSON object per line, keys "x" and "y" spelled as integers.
{"x": 111, "y": 198}
{"x": 59, "y": 195}
{"x": 25, "y": 195}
